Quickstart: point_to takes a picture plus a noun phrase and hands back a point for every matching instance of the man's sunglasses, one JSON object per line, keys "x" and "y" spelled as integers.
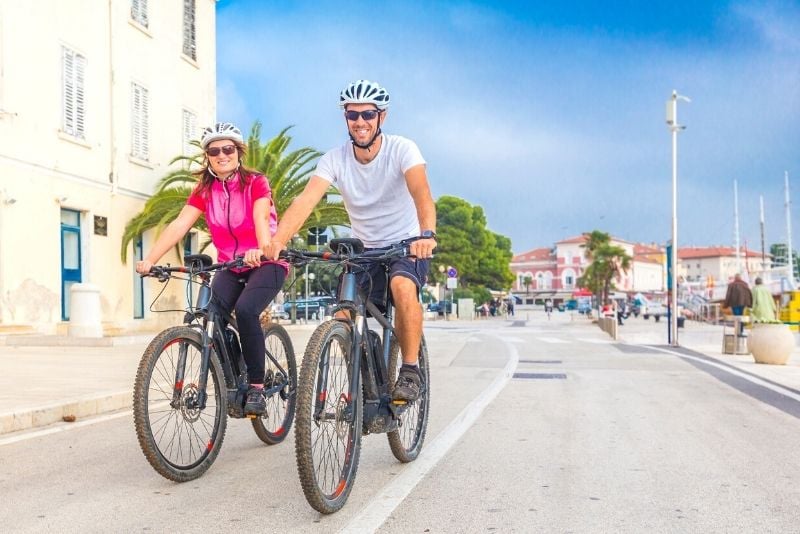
{"x": 215, "y": 150}
{"x": 367, "y": 115}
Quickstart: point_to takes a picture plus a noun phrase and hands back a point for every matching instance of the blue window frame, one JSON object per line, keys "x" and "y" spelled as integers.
{"x": 138, "y": 283}
{"x": 71, "y": 272}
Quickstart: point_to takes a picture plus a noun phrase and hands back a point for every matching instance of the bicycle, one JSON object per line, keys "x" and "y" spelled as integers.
{"x": 345, "y": 382}
{"x": 192, "y": 376}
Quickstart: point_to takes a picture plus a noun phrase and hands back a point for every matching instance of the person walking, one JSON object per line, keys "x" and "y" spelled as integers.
{"x": 738, "y": 297}
{"x": 764, "y": 310}
{"x": 384, "y": 185}
{"x": 241, "y": 217}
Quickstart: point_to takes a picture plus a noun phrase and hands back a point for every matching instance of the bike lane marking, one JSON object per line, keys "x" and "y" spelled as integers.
{"x": 63, "y": 427}
{"x": 373, "y": 515}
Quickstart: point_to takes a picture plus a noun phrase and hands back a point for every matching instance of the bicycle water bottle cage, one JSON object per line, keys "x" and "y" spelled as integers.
{"x": 346, "y": 245}
{"x": 196, "y": 262}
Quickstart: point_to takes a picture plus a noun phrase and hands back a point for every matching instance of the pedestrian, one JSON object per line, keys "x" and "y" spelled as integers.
{"x": 241, "y": 218}
{"x": 511, "y": 305}
{"x": 383, "y": 182}
{"x": 620, "y": 305}
{"x": 763, "y": 304}
{"x": 737, "y": 298}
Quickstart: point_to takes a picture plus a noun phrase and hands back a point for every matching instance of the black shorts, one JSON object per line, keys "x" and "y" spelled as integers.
{"x": 373, "y": 280}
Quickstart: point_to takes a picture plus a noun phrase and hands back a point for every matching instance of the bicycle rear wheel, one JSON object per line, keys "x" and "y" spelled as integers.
{"x": 180, "y": 440}
{"x": 406, "y": 442}
{"x": 328, "y": 427}
{"x": 280, "y": 375}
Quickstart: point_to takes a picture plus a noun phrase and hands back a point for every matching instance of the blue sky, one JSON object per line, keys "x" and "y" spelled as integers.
{"x": 549, "y": 115}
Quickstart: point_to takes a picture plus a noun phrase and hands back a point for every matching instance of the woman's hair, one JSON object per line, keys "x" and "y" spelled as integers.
{"x": 206, "y": 178}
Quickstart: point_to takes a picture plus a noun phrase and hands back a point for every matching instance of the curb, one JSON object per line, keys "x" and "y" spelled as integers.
{"x": 65, "y": 341}
{"x": 80, "y": 407}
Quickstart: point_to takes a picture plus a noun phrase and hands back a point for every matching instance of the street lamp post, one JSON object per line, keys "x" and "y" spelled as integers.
{"x": 672, "y": 122}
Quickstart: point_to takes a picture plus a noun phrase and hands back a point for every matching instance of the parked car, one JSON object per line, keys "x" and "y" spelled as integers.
{"x": 440, "y": 307}
{"x": 277, "y": 312}
{"x": 312, "y": 308}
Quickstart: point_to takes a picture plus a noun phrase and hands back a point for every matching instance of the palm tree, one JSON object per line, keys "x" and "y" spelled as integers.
{"x": 288, "y": 175}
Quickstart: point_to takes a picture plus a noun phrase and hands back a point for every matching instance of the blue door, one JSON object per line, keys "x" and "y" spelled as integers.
{"x": 70, "y": 256}
{"x": 138, "y": 286}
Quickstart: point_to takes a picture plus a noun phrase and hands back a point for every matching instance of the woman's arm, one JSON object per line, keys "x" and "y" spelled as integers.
{"x": 169, "y": 237}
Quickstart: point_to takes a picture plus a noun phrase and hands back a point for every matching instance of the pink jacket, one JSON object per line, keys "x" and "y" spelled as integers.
{"x": 228, "y": 209}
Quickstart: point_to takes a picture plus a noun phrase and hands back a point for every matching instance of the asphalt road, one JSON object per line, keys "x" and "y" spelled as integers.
{"x": 536, "y": 426}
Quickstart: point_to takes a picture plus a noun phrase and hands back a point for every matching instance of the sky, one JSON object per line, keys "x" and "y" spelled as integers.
{"x": 548, "y": 115}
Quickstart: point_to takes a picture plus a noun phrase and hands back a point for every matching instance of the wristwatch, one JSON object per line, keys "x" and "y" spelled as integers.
{"x": 428, "y": 234}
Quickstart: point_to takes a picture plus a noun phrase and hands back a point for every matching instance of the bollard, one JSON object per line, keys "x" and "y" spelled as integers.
{"x": 84, "y": 311}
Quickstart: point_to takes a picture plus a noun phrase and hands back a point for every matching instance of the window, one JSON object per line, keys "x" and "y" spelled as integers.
{"x": 139, "y": 12}
{"x": 140, "y": 129}
{"x": 189, "y": 38}
{"x": 73, "y": 98}
{"x": 189, "y": 132}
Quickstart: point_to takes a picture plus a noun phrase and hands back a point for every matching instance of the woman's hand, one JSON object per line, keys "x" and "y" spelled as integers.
{"x": 252, "y": 257}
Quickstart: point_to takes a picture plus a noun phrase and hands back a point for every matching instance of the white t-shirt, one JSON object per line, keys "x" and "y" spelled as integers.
{"x": 381, "y": 209}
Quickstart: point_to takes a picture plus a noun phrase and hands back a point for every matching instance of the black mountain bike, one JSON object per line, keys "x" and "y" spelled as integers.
{"x": 192, "y": 377}
{"x": 345, "y": 383}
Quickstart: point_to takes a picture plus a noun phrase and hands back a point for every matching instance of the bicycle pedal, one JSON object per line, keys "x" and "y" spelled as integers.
{"x": 251, "y": 416}
{"x": 399, "y": 402}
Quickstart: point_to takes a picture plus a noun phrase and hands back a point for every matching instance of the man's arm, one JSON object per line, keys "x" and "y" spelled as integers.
{"x": 417, "y": 183}
{"x": 298, "y": 212}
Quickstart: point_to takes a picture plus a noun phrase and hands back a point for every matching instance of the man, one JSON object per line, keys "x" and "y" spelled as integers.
{"x": 385, "y": 189}
{"x": 738, "y": 297}
{"x": 763, "y": 304}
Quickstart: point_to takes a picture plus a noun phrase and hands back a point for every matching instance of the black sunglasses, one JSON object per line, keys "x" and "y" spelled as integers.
{"x": 367, "y": 115}
{"x": 215, "y": 150}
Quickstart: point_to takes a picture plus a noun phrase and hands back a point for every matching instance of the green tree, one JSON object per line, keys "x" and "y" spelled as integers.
{"x": 527, "y": 281}
{"x": 607, "y": 263}
{"x": 288, "y": 174}
{"x": 780, "y": 257}
{"x": 482, "y": 257}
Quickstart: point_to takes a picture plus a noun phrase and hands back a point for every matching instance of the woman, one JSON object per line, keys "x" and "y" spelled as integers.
{"x": 241, "y": 217}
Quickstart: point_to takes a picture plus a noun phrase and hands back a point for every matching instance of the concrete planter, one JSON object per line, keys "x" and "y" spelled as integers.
{"x": 770, "y": 343}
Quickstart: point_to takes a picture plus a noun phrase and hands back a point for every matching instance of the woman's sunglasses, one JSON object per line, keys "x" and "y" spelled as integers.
{"x": 367, "y": 115}
{"x": 215, "y": 150}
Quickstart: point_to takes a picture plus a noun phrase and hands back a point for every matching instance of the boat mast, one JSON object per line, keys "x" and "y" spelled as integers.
{"x": 736, "y": 226}
{"x": 787, "y": 205}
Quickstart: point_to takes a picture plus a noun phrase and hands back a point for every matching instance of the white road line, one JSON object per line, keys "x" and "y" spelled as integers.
{"x": 372, "y": 516}
{"x": 596, "y": 341}
{"x": 63, "y": 427}
{"x": 735, "y": 372}
{"x": 551, "y": 340}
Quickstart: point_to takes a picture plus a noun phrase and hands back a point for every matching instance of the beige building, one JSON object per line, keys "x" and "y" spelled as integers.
{"x": 96, "y": 98}
{"x": 717, "y": 265}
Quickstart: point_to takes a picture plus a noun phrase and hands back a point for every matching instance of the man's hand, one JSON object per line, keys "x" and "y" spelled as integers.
{"x": 273, "y": 249}
{"x": 144, "y": 266}
{"x": 423, "y": 248}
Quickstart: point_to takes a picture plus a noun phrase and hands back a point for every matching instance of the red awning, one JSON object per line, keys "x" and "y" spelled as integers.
{"x": 582, "y": 293}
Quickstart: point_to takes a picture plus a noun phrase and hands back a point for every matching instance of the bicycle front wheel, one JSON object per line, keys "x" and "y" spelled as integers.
{"x": 280, "y": 380}
{"x": 328, "y": 426}
{"x": 406, "y": 442}
{"x": 178, "y": 438}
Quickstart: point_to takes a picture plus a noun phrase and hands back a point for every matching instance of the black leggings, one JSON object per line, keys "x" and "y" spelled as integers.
{"x": 248, "y": 293}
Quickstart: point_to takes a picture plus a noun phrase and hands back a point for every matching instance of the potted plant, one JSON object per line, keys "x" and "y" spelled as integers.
{"x": 770, "y": 342}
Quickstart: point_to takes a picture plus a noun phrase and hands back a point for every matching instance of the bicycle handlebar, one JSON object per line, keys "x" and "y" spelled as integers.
{"x": 163, "y": 272}
{"x": 397, "y": 250}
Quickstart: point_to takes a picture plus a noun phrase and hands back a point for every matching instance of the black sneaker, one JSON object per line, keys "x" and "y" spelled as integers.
{"x": 407, "y": 386}
{"x": 256, "y": 403}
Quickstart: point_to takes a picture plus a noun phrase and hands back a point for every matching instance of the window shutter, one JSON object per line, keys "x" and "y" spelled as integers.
{"x": 139, "y": 123}
{"x": 139, "y": 12}
{"x": 189, "y": 131}
{"x": 189, "y": 44}
{"x": 73, "y": 66}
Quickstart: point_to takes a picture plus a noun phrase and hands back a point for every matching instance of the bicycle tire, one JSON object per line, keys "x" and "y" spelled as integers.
{"x": 180, "y": 442}
{"x": 273, "y": 427}
{"x": 406, "y": 442}
{"x": 328, "y": 450}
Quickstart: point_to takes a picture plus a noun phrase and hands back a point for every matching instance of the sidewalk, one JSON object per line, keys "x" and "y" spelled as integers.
{"x": 707, "y": 339}
{"x": 46, "y": 378}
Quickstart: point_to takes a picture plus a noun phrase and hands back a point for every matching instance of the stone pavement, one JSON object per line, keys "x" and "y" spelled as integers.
{"x": 45, "y": 378}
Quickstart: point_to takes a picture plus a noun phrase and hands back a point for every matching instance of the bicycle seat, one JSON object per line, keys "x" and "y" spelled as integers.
{"x": 346, "y": 245}
{"x": 194, "y": 261}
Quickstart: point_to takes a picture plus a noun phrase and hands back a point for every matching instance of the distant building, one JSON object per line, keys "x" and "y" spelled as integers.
{"x": 96, "y": 98}
{"x": 717, "y": 265}
{"x": 554, "y": 272}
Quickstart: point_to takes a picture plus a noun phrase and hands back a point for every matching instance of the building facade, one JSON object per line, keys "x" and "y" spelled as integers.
{"x": 96, "y": 99}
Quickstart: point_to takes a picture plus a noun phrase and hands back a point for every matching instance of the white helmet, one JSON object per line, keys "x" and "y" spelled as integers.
{"x": 221, "y": 130}
{"x": 364, "y": 92}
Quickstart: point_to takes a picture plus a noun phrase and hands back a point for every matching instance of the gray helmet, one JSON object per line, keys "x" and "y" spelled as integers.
{"x": 364, "y": 92}
{"x": 221, "y": 130}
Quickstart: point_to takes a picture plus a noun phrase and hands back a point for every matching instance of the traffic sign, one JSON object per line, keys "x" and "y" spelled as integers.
{"x": 451, "y": 272}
